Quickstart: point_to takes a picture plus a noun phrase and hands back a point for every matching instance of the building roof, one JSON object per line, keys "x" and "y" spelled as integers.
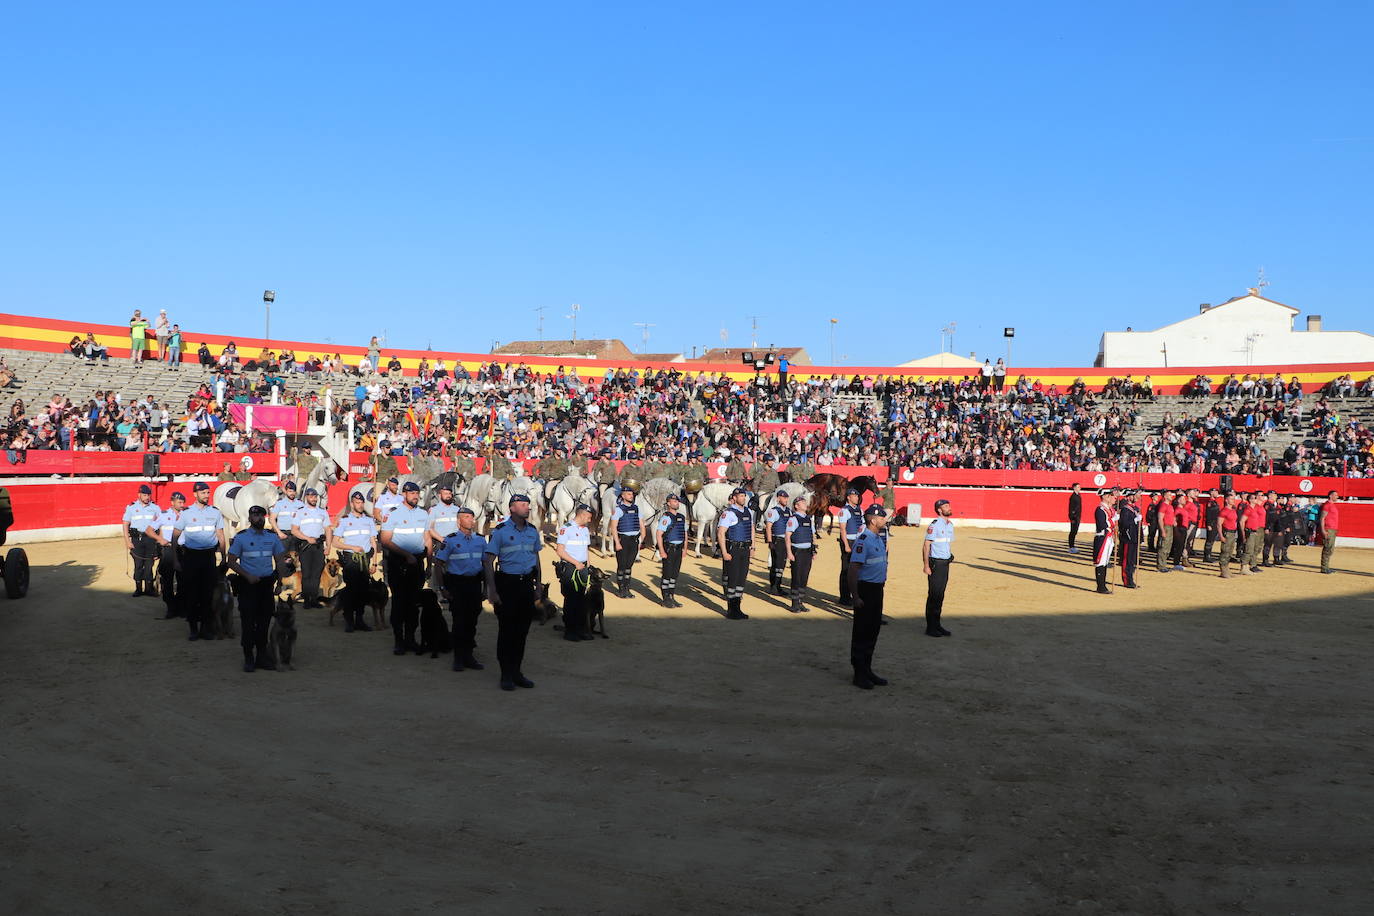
{"x": 589, "y": 349}
{"x": 660, "y": 357}
{"x": 943, "y": 360}
{"x": 797, "y": 356}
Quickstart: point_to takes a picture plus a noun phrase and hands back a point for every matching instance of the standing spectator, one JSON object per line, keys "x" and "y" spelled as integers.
{"x": 1075, "y": 516}
{"x": 999, "y": 376}
{"x": 374, "y": 354}
{"x": 1329, "y": 518}
{"x": 174, "y": 347}
{"x": 161, "y": 328}
{"x": 138, "y": 329}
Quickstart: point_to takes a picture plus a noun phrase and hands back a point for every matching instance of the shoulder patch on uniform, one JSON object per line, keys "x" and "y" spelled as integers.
{"x": 858, "y": 547}
{"x": 931, "y": 528}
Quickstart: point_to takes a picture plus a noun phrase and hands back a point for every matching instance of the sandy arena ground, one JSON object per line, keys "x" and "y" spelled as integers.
{"x": 1195, "y": 746}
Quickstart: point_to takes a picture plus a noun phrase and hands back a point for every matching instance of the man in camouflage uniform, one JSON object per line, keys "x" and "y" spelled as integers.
{"x": 499, "y": 466}
{"x": 764, "y": 479}
{"x": 734, "y": 470}
{"x": 603, "y": 475}
{"x": 551, "y": 467}
{"x": 465, "y": 465}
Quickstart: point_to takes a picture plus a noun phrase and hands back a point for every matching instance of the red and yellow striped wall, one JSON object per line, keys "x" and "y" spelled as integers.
{"x": 51, "y": 335}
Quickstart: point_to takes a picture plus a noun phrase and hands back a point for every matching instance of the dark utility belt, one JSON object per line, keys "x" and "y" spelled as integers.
{"x": 527, "y": 575}
{"x": 740, "y": 543}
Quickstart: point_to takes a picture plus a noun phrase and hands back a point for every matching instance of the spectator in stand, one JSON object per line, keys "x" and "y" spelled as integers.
{"x": 138, "y": 329}
{"x": 6, "y": 374}
{"x": 161, "y": 329}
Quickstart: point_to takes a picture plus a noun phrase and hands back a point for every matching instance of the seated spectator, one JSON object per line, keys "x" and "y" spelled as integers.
{"x": 74, "y": 346}
{"x": 203, "y": 354}
{"x": 6, "y": 374}
{"x": 91, "y": 349}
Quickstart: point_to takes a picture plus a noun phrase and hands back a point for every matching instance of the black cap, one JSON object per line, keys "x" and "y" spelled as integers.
{"x": 939, "y": 503}
{"x": 410, "y": 487}
{"x": 200, "y": 485}
{"x": 144, "y": 488}
{"x": 875, "y": 509}
{"x": 517, "y": 498}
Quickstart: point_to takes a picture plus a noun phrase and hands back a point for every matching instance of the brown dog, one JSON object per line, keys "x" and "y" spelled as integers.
{"x": 289, "y": 586}
{"x": 331, "y": 580}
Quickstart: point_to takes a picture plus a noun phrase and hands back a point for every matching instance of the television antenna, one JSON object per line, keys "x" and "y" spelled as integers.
{"x": 644, "y": 347}
{"x": 724, "y": 336}
{"x": 541, "y": 309}
{"x": 575, "y": 309}
{"x": 1262, "y": 283}
{"x": 948, "y": 332}
{"x": 754, "y": 325}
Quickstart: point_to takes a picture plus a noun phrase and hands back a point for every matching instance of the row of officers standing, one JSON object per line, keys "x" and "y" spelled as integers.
{"x": 441, "y": 546}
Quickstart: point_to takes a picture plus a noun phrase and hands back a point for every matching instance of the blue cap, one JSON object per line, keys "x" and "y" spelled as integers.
{"x": 519, "y": 498}
{"x": 875, "y": 509}
{"x": 200, "y": 485}
{"x": 144, "y": 488}
{"x": 410, "y": 487}
{"x": 781, "y": 491}
{"x": 939, "y": 503}
{"x": 852, "y": 492}
{"x": 311, "y": 491}
{"x": 177, "y": 494}
{"x": 676, "y": 496}
{"x": 289, "y": 485}
{"x": 738, "y": 490}
{"x": 393, "y": 480}
{"x": 583, "y": 507}
{"x": 446, "y": 486}
{"x": 464, "y": 510}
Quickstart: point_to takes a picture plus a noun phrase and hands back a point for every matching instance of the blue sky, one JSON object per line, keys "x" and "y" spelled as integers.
{"x": 440, "y": 171}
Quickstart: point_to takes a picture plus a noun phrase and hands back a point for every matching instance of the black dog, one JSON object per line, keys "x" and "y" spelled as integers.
{"x": 281, "y": 635}
{"x": 434, "y": 634}
{"x": 596, "y": 603}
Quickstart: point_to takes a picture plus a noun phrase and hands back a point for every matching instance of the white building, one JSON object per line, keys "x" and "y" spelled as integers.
{"x": 1249, "y": 330}
{"x": 945, "y": 360}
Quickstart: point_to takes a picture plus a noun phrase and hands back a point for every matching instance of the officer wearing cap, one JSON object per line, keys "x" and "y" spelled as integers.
{"x": 1128, "y": 528}
{"x": 310, "y": 528}
{"x": 163, "y": 533}
{"x": 443, "y": 521}
{"x": 354, "y": 539}
{"x": 937, "y": 553}
{"x": 403, "y": 537}
{"x": 851, "y": 524}
{"x": 1104, "y": 537}
{"x": 284, "y": 515}
{"x": 735, "y": 537}
{"x": 200, "y": 536}
{"x": 459, "y": 555}
{"x": 256, "y": 555}
{"x": 625, "y": 531}
{"x": 800, "y": 542}
{"x": 775, "y": 526}
{"x": 670, "y": 537}
{"x": 389, "y": 499}
{"x": 511, "y": 567}
{"x": 572, "y": 546}
{"x": 867, "y": 569}
{"x": 138, "y": 515}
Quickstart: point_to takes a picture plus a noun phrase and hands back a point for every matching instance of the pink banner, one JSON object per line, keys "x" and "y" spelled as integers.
{"x": 271, "y": 417}
{"x": 798, "y": 428}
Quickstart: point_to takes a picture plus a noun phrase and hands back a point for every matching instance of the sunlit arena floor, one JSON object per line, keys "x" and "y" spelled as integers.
{"x": 1196, "y": 745}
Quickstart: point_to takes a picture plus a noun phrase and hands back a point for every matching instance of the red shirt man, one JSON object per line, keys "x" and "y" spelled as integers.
{"x": 1331, "y": 515}
{"x": 1255, "y": 516}
{"x": 1188, "y": 515}
{"x": 1168, "y": 516}
{"x": 1227, "y": 515}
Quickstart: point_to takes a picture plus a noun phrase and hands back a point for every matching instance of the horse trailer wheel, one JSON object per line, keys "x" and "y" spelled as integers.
{"x": 16, "y": 573}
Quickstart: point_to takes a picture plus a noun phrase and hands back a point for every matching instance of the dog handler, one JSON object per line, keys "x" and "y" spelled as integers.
{"x": 511, "y": 565}
{"x": 137, "y": 517}
{"x": 256, "y": 555}
{"x": 867, "y": 580}
{"x": 310, "y": 527}
{"x": 163, "y": 530}
{"x": 200, "y": 531}
{"x": 460, "y": 552}
{"x": 355, "y": 539}
{"x": 574, "y": 542}
{"x": 403, "y": 535}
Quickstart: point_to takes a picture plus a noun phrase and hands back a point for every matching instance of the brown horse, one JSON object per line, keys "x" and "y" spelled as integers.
{"x": 828, "y": 491}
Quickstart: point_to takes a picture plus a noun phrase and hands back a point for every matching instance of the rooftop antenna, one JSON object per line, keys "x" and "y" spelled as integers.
{"x": 1259, "y": 286}
{"x": 541, "y": 310}
{"x": 724, "y": 336}
{"x": 575, "y": 309}
{"x": 644, "y": 347}
{"x": 754, "y": 324}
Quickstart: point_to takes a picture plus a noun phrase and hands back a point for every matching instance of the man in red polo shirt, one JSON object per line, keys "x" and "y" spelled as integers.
{"x": 1329, "y": 522}
{"x": 1229, "y": 519}
{"x": 1168, "y": 520}
{"x": 1254, "y": 533}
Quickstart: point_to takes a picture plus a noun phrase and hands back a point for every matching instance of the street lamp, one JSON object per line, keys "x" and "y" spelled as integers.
{"x": 833, "y": 322}
{"x": 1009, "y": 333}
{"x": 268, "y": 297}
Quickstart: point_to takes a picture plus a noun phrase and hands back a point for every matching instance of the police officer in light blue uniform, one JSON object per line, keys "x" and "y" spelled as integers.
{"x": 511, "y": 568}
{"x": 403, "y": 536}
{"x": 573, "y": 548}
{"x": 670, "y": 537}
{"x": 443, "y": 521}
{"x": 459, "y": 555}
{"x": 735, "y": 537}
{"x": 868, "y": 578}
{"x": 139, "y": 514}
{"x": 389, "y": 499}
{"x": 625, "y": 531}
{"x": 284, "y": 514}
{"x": 310, "y": 528}
{"x": 354, "y": 537}
{"x": 851, "y": 522}
{"x": 800, "y": 542}
{"x": 163, "y": 532}
{"x": 775, "y": 521}
{"x": 938, "y": 554}
{"x": 200, "y": 534}
{"x": 256, "y": 555}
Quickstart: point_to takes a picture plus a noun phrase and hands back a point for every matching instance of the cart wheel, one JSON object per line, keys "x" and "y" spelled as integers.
{"x": 16, "y": 573}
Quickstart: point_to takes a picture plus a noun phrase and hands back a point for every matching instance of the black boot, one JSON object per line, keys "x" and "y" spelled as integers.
{"x": 469, "y": 661}
{"x": 868, "y": 670}
{"x": 138, "y": 590}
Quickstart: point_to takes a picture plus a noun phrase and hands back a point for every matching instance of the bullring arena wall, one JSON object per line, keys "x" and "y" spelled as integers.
{"x": 94, "y": 488}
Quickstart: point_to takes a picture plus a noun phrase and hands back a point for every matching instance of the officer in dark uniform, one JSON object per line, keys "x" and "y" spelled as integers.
{"x": 851, "y": 523}
{"x": 573, "y": 547}
{"x": 1152, "y": 520}
{"x": 256, "y": 556}
{"x": 626, "y": 528}
{"x": 1278, "y": 524}
{"x": 141, "y": 513}
{"x": 354, "y": 537}
{"x": 1075, "y": 516}
{"x": 800, "y": 542}
{"x": 867, "y": 569}
{"x": 200, "y": 536}
{"x": 1212, "y": 518}
{"x": 310, "y": 529}
{"x": 670, "y": 536}
{"x": 735, "y": 537}
{"x": 775, "y": 526}
{"x": 511, "y": 565}
{"x": 1104, "y": 538}
{"x": 163, "y": 531}
{"x": 460, "y": 556}
{"x": 403, "y": 538}
{"x": 1128, "y": 525}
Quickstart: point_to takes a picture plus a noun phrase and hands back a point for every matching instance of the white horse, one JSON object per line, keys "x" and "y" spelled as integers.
{"x": 233, "y": 500}
{"x": 480, "y": 496}
{"x": 567, "y": 494}
{"x": 706, "y": 508}
{"x": 793, "y": 490}
{"x": 527, "y": 486}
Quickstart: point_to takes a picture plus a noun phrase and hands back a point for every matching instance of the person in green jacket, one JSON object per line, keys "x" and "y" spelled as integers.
{"x": 138, "y": 330}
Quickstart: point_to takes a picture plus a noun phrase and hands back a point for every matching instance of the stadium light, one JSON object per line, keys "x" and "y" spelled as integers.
{"x": 747, "y": 358}
{"x": 268, "y": 297}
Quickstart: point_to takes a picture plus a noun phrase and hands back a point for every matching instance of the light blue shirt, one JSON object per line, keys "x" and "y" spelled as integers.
{"x": 871, "y": 554}
{"x": 198, "y": 526}
{"x": 166, "y": 525}
{"x": 312, "y": 520}
{"x": 255, "y": 550}
{"x": 407, "y": 527}
{"x": 138, "y": 516}
{"x": 940, "y": 534}
{"x": 388, "y": 503}
{"x": 355, "y": 531}
{"x": 516, "y": 549}
{"x": 443, "y": 520}
{"x": 462, "y": 553}
{"x": 576, "y": 540}
{"x": 284, "y": 511}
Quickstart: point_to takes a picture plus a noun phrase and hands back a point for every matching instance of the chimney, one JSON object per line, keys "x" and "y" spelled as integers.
{"x": 1203, "y": 307}
{"x": 1314, "y": 322}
